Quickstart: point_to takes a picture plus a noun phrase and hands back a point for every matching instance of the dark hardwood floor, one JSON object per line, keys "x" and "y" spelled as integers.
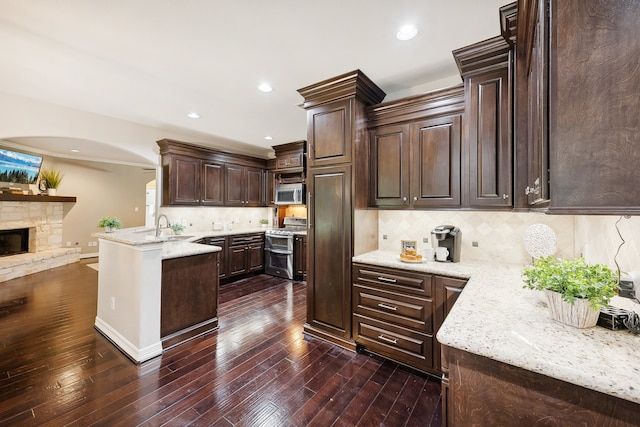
{"x": 256, "y": 370}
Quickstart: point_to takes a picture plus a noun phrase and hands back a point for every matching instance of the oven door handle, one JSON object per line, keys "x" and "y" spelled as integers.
{"x": 276, "y": 251}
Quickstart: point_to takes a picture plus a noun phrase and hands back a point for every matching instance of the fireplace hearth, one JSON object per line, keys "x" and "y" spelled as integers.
{"x": 14, "y": 242}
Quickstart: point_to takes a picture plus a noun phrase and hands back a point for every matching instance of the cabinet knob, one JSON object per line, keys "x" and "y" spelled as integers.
{"x": 505, "y": 196}
{"x": 415, "y": 198}
{"x": 404, "y": 199}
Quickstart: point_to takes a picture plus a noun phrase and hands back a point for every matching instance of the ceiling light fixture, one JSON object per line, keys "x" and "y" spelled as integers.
{"x": 73, "y": 150}
{"x": 193, "y": 115}
{"x": 407, "y": 32}
{"x": 265, "y": 87}
{"x": 268, "y": 138}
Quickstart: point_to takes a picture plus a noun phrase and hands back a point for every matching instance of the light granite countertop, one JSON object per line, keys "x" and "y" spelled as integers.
{"x": 496, "y": 317}
{"x": 172, "y": 246}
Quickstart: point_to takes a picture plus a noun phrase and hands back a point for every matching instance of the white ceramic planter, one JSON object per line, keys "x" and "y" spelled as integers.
{"x": 580, "y": 314}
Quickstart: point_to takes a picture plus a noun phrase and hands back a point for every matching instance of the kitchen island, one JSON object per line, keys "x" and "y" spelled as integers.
{"x": 153, "y": 291}
{"x": 507, "y": 362}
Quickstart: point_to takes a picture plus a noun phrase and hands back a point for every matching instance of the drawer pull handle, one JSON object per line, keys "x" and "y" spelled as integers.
{"x": 389, "y": 340}
{"x": 388, "y": 307}
{"x": 386, "y": 279}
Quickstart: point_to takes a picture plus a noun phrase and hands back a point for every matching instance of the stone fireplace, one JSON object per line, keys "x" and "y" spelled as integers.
{"x": 14, "y": 242}
{"x": 39, "y": 224}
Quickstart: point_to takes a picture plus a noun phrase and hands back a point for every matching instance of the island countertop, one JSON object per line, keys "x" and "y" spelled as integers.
{"x": 497, "y": 318}
{"x": 173, "y": 246}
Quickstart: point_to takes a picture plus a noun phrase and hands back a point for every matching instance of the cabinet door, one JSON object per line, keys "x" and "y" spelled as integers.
{"x": 390, "y": 153}
{"x": 329, "y": 236}
{"x": 253, "y": 187}
{"x": 329, "y": 134}
{"x": 222, "y": 255}
{"x": 435, "y": 171}
{"x": 235, "y": 185}
{"x": 300, "y": 257}
{"x": 255, "y": 254}
{"x": 269, "y": 188}
{"x": 212, "y": 184}
{"x": 184, "y": 180}
{"x": 488, "y": 124}
{"x": 447, "y": 290}
{"x": 237, "y": 260}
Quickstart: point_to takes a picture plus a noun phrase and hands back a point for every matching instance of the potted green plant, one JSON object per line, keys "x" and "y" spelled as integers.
{"x": 52, "y": 179}
{"x": 177, "y": 228}
{"x": 110, "y": 223}
{"x": 264, "y": 223}
{"x": 575, "y": 290}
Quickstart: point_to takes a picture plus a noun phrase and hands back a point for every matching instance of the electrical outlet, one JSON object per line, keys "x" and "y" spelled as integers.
{"x": 474, "y": 244}
{"x": 113, "y": 303}
{"x": 384, "y": 237}
{"x": 89, "y": 244}
{"x": 68, "y": 244}
{"x": 425, "y": 240}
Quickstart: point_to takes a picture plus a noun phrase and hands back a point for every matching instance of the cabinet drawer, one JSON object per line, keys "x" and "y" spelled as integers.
{"x": 403, "y": 345}
{"x": 243, "y": 239}
{"x": 392, "y": 279}
{"x": 289, "y": 161}
{"x": 405, "y": 310}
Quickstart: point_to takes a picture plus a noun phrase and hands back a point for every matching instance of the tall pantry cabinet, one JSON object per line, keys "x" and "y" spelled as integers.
{"x": 337, "y": 185}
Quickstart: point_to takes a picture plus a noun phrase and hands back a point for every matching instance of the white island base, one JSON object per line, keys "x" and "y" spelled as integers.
{"x": 129, "y": 297}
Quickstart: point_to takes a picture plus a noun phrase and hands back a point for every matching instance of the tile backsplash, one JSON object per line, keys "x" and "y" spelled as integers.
{"x": 202, "y": 218}
{"x": 499, "y": 235}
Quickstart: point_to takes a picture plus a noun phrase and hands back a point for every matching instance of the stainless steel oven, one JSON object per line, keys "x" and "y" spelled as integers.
{"x": 278, "y": 247}
{"x": 278, "y": 250}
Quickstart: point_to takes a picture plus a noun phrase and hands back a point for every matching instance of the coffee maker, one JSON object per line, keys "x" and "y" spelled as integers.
{"x": 449, "y": 237}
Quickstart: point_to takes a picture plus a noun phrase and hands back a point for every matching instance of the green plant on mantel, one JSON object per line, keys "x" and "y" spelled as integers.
{"x": 52, "y": 177}
{"x": 573, "y": 278}
{"x": 110, "y": 222}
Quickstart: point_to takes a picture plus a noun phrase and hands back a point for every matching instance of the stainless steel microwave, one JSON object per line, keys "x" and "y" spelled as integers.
{"x": 290, "y": 194}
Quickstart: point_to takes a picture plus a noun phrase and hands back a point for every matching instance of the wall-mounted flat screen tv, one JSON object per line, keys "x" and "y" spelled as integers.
{"x": 19, "y": 168}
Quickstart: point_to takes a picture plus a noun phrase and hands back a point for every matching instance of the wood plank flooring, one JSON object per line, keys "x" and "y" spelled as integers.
{"x": 257, "y": 370}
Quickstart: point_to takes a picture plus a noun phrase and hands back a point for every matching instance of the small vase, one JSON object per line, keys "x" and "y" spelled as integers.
{"x": 579, "y": 314}
{"x": 51, "y": 191}
{"x": 108, "y": 230}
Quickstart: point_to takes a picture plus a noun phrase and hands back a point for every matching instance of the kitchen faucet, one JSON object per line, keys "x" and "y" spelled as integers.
{"x": 158, "y": 224}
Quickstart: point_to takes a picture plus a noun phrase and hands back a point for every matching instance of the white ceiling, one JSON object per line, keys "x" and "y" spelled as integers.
{"x": 150, "y": 62}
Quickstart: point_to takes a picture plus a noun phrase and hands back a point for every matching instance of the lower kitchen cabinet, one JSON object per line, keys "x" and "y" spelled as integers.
{"x": 221, "y": 242}
{"x": 300, "y": 257}
{"x": 188, "y": 297}
{"x": 245, "y": 254}
{"x": 397, "y": 313}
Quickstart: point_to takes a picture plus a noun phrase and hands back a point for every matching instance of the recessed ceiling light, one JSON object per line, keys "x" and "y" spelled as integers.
{"x": 268, "y": 138}
{"x": 73, "y": 150}
{"x": 265, "y": 87}
{"x": 407, "y": 32}
{"x": 193, "y": 115}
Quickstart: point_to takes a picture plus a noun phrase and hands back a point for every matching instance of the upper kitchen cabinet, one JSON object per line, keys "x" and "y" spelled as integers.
{"x": 244, "y": 186}
{"x": 415, "y": 151}
{"x": 331, "y": 109}
{"x": 290, "y": 157}
{"x": 593, "y": 82}
{"x": 486, "y": 69}
{"x": 196, "y": 176}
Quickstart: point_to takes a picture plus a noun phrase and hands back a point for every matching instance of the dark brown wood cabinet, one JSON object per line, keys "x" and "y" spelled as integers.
{"x": 393, "y": 314}
{"x": 290, "y": 158}
{"x": 446, "y": 291}
{"x": 337, "y": 183}
{"x": 188, "y": 297}
{"x": 590, "y": 71}
{"x": 244, "y": 186}
{"x": 486, "y": 68}
{"x": 222, "y": 255}
{"x": 196, "y": 176}
{"x": 415, "y": 151}
{"x": 245, "y": 254}
{"x": 300, "y": 257}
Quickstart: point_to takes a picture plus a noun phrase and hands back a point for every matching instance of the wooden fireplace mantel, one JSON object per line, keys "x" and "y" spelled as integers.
{"x": 8, "y": 197}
